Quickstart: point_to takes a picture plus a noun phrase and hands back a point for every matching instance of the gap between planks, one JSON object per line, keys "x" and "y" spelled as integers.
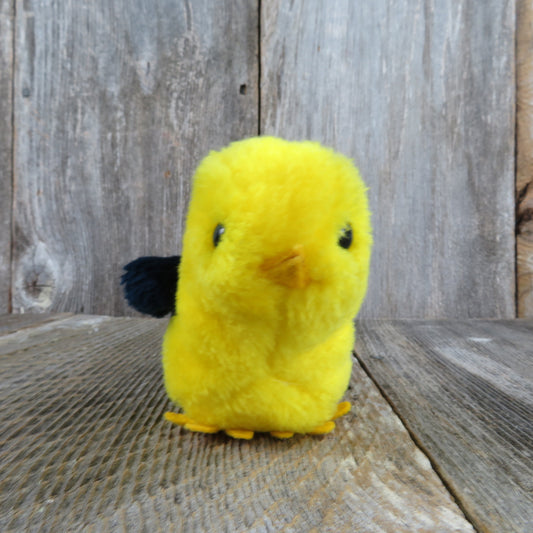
{"x": 416, "y": 440}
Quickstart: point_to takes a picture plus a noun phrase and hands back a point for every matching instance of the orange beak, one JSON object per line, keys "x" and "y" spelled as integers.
{"x": 288, "y": 268}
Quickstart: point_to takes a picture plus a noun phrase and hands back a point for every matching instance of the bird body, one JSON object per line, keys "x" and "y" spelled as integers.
{"x": 271, "y": 386}
{"x": 273, "y": 271}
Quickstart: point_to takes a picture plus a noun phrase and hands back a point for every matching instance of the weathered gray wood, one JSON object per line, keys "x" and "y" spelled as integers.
{"x": 422, "y": 95}
{"x": 524, "y": 157}
{"x": 115, "y": 103}
{"x": 6, "y": 148}
{"x": 83, "y": 445}
{"x": 465, "y": 391}
{"x": 10, "y": 323}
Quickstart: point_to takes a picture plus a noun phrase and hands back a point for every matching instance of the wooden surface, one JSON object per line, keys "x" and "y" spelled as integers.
{"x": 115, "y": 104}
{"x": 421, "y": 94}
{"x": 83, "y": 445}
{"x": 13, "y": 322}
{"x": 6, "y": 149}
{"x": 465, "y": 392}
{"x": 524, "y": 157}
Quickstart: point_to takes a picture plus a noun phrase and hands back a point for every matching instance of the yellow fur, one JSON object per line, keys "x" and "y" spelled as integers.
{"x": 264, "y": 329}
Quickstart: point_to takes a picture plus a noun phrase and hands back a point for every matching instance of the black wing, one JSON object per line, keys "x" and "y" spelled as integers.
{"x": 150, "y": 284}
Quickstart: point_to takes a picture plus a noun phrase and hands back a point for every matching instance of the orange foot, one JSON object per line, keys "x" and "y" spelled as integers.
{"x": 327, "y": 427}
{"x": 188, "y": 423}
{"x": 342, "y": 409}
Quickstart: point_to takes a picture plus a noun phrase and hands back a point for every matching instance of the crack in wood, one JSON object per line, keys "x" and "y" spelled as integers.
{"x": 417, "y": 441}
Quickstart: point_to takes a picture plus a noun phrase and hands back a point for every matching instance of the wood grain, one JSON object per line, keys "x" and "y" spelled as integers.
{"x": 9, "y": 323}
{"x": 465, "y": 391}
{"x": 83, "y": 445}
{"x": 524, "y": 157}
{"x": 421, "y": 94}
{"x": 6, "y": 149}
{"x": 115, "y": 103}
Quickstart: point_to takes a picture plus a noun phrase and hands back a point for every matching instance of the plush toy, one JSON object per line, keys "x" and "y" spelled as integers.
{"x": 274, "y": 268}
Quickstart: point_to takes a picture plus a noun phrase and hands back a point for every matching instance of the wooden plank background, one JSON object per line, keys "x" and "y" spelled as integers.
{"x": 524, "y": 157}
{"x": 421, "y": 94}
{"x": 6, "y": 149}
{"x": 116, "y": 102}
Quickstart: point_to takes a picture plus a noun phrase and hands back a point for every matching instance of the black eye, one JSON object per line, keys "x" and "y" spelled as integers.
{"x": 217, "y": 234}
{"x": 345, "y": 239}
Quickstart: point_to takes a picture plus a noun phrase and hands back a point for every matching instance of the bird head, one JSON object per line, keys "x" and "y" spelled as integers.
{"x": 277, "y": 232}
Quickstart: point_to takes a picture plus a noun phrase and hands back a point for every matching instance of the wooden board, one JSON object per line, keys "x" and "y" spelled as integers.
{"x": 6, "y": 149}
{"x": 524, "y": 157}
{"x": 10, "y": 323}
{"x": 84, "y": 446}
{"x": 116, "y": 103}
{"x": 465, "y": 391}
{"x": 421, "y": 94}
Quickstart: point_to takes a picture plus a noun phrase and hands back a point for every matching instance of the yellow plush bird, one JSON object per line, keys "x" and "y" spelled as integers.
{"x": 274, "y": 268}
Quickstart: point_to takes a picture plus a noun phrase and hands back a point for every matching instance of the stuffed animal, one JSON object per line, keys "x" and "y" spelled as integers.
{"x": 273, "y": 271}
